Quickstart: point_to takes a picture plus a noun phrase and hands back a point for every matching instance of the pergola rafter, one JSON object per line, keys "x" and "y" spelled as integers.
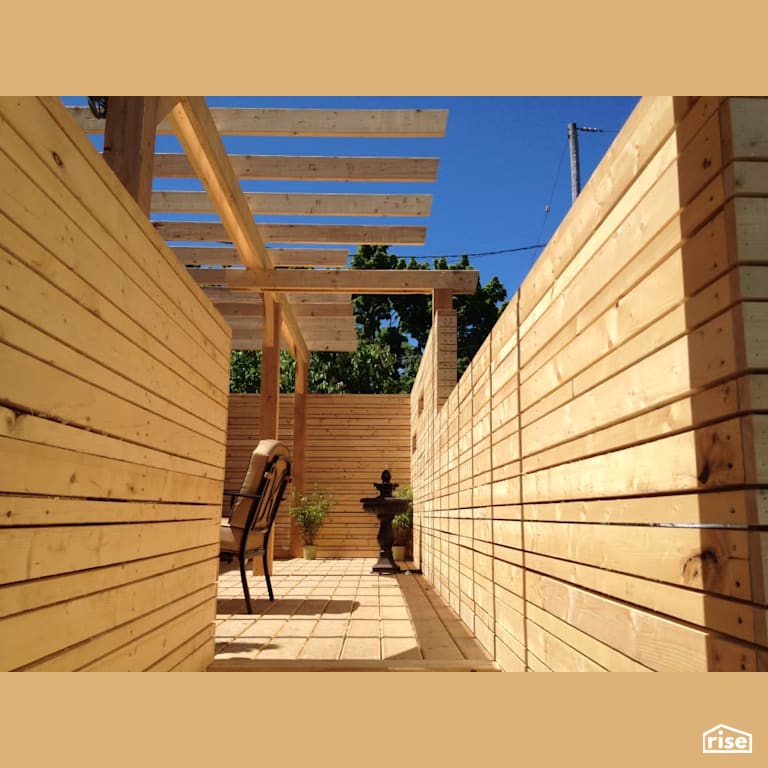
{"x": 308, "y": 234}
{"x": 300, "y": 204}
{"x": 312, "y": 293}
{"x": 320, "y": 168}
{"x": 280, "y": 257}
{"x": 195, "y": 130}
{"x": 370, "y": 123}
{"x": 368, "y": 281}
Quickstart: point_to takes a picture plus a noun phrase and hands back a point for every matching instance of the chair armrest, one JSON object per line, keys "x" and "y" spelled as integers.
{"x": 243, "y": 495}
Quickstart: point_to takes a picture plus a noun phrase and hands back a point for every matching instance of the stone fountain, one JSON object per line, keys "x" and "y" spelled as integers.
{"x": 385, "y": 507}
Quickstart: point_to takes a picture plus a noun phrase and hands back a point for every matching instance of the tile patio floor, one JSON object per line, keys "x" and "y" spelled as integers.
{"x": 335, "y": 615}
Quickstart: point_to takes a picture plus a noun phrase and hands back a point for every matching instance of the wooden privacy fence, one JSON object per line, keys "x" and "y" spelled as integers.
{"x": 114, "y": 378}
{"x": 592, "y": 493}
{"x": 350, "y": 439}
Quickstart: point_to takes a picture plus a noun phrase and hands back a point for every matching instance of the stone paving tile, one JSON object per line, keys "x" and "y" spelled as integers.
{"x": 268, "y": 627}
{"x": 363, "y": 628}
{"x": 297, "y": 628}
{"x": 394, "y": 612}
{"x": 246, "y": 647}
{"x": 230, "y": 628}
{"x": 368, "y": 601}
{"x": 330, "y": 628}
{"x": 361, "y": 648}
{"x": 342, "y": 607}
{"x": 322, "y": 648}
{"x": 397, "y": 628}
{"x": 399, "y": 648}
{"x": 392, "y": 600}
{"x": 256, "y": 630}
{"x": 312, "y": 608}
{"x": 337, "y": 610}
{"x": 283, "y": 648}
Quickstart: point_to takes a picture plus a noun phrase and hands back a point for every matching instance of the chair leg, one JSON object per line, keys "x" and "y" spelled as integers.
{"x": 266, "y": 575}
{"x": 245, "y": 585}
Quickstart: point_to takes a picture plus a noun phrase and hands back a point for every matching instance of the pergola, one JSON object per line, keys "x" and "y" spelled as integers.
{"x": 247, "y": 269}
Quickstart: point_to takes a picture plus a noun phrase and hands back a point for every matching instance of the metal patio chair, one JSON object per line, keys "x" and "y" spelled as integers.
{"x": 253, "y": 510}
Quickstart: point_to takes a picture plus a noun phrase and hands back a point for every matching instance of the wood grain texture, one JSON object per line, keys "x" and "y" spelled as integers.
{"x": 113, "y": 409}
{"x": 291, "y": 168}
{"x": 307, "y": 122}
{"x": 591, "y": 492}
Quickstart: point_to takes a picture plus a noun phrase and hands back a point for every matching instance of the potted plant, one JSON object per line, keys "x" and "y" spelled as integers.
{"x": 309, "y": 510}
{"x": 402, "y": 527}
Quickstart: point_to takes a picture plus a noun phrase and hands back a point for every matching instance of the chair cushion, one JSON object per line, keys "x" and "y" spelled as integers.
{"x": 229, "y": 539}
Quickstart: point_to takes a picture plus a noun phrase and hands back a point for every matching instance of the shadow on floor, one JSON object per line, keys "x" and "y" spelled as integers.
{"x": 286, "y": 607}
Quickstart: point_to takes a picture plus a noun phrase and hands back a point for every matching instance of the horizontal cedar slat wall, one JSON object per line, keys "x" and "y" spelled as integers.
{"x": 350, "y": 439}
{"x": 592, "y": 494}
{"x": 114, "y": 377}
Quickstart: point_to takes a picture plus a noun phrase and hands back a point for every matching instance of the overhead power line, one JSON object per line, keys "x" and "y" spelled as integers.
{"x": 475, "y": 255}
{"x": 595, "y": 130}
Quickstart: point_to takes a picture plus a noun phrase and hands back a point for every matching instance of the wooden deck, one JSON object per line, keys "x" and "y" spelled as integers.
{"x": 335, "y": 615}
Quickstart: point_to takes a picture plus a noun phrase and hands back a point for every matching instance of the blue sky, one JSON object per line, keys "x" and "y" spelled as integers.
{"x": 503, "y": 160}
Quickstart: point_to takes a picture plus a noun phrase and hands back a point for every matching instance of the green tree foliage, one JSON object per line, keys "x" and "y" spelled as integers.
{"x": 392, "y": 332}
{"x": 245, "y": 371}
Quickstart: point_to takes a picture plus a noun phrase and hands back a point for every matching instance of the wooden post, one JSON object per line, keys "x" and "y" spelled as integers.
{"x": 129, "y": 144}
{"x": 299, "y": 441}
{"x": 445, "y": 344}
{"x": 270, "y": 392}
{"x": 270, "y": 370}
{"x": 442, "y": 299}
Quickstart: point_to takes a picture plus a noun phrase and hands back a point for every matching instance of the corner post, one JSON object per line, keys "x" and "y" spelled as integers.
{"x": 129, "y": 144}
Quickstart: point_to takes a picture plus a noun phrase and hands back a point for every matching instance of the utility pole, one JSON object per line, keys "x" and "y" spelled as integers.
{"x": 573, "y": 140}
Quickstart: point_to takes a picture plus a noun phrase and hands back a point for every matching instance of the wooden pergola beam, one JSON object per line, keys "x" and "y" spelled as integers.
{"x": 202, "y": 143}
{"x": 345, "y": 345}
{"x": 300, "y": 204}
{"x": 307, "y": 298}
{"x": 234, "y": 308}
{"x": 361, "y": 281}
{"x": 327, "y": 332}
{"x": 326, "y": 340}
{"x": 368, "y": 123}
{"x": 319, "y": 310}
{"x": 297, "y": 168}
{"x": 309, "y": 234}
{"x": 296, "y": 300}
{"x": 280, "y": 257}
